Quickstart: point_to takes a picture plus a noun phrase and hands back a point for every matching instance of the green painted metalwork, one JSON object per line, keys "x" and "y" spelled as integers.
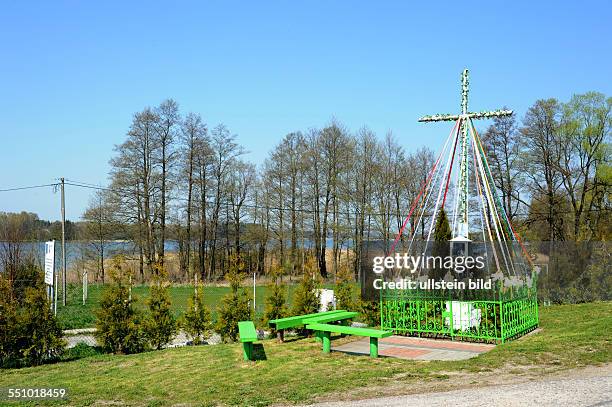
{"x": 496, "y": 315}
{"x": 510, "y": 314}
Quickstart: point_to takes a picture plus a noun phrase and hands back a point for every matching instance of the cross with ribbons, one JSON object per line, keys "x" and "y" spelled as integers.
{"x": 465, "y": 121}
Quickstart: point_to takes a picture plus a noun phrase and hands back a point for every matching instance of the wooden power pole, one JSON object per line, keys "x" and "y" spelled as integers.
{"x": 63, "y": 244}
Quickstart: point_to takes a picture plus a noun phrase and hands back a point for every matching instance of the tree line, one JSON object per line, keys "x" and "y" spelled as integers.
{"x": 322, "y": 192}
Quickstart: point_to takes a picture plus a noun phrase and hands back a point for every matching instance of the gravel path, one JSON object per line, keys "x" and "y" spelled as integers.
{"x": 594, "y": 389}
{"x": 86, "y": 336}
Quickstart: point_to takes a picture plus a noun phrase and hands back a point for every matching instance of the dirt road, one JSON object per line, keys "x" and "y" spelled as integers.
{"x": 579, "y": 388}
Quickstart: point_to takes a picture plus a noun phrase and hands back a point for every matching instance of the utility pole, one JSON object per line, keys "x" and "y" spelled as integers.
{"x": 63, "y": 244}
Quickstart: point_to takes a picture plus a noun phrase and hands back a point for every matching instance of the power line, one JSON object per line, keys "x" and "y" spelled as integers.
{"x": 125, "y": 192}
{"x": 28, "y": 187}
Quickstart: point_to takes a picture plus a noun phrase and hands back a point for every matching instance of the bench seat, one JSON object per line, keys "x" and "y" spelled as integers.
{"x": 299, "y": 320}
{"x": 327, "y": 329}
{"x": 248, "y": 335}
{"x": 339, "y": 316}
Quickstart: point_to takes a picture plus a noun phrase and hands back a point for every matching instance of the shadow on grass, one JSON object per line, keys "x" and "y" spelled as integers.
{"x": 80, "y": 351}
{"x": 259, "y": 353}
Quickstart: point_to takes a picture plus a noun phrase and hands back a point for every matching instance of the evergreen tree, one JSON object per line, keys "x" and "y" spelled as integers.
{"x": 41, "y": 335}
{"x": 276, "y": 302}
{"x": 160, "y": 325}
{"x": 235, "y": 306}
{"x": 442, "y": 231}
{"x": 306, "y": 299}
{"x": 441, "y": 244}
{"x": 118, "y": 326}
{"x": 197, "y": 321}
{"x": 370, "y": 312}
{"x": 344, "y": 292}
{"x": 29, "y": 332}
{"x": 8, "y": 324}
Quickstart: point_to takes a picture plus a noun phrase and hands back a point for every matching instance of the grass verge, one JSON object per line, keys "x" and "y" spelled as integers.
{"x": 296, "y": 372}
{"x": 76, "y": 315}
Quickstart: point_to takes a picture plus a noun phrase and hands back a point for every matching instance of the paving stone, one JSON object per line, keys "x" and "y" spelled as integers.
{"x": 416, "y": 348}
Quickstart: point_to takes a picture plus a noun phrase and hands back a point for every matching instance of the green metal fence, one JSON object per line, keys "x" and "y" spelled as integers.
{"x": 507, "y": 315}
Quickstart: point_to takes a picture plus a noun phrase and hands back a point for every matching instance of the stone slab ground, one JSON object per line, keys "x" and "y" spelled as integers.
{"x": 416, "y": 348}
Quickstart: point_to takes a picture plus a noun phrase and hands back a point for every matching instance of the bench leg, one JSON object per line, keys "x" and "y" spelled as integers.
{"x": 280, "y": 335}
{"x": 373, "y": 347}
{"x": 326, "y": 341}
{"x": 247, "y": 350}
{"x": 318, "y": 336}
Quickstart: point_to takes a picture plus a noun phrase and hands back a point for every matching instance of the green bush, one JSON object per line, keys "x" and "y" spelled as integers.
{"x": 235, "y": 306}
{"x": 29, "y": 332}
{"x": 370, "y": 312}
{"x": 160, "y": 324}
{"x": 306, "y": 298}
{"x": 276, "y": 302}
{"x": 118, "y": 326}
{"x": 197, "y": 321}
{"x": 41, "y": 336}
{"x": 344, "y": 292}
{"x": 8, "y": 324}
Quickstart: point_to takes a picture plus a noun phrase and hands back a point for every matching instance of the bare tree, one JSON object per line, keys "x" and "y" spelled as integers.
{"x": 241, "y": 180}
{"x": 541, "y": 132}
{"x": 504, "y": 148}
{"x": 225, "y": 151}
{"x": 168, "y": 121}
{"x": 99, "y": 229}
{"x": 193, "y": 135}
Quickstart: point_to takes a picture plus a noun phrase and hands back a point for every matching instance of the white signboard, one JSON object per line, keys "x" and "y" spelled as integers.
{"x": 49, "y": 261}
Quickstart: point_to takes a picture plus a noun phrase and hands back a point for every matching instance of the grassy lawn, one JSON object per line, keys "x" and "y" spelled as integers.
{"x": 296, "y": 371}
{"x": 77, "y": 315}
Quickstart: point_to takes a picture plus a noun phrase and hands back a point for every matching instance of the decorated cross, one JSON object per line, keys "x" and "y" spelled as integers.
{"x": 461, "y": 232}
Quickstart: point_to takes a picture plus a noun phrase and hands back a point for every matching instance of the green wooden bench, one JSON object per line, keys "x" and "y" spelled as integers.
{"x": 300, "y": 320}
{"x": 342, "y": 317}
{"x": 248, "y": 335}
{"x": 337, "y": 316}
{"x": 327, "y": 329}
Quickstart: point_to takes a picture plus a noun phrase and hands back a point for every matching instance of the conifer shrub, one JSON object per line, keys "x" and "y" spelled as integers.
{"x": 40, "y": 334}
{"x": 370, "y": 312}
{"x": 160, "y": 325}
{"x": 8, "y": 324}
{"x": 29, "y": 332}
{"x": 119, "y": 324}
{"x": 306, "y": 299}
{"x": 235, "y": 306}
{"x": 197, "y": 321}
{"x": 345, "y": 291}
{"x": 276, "y": 302}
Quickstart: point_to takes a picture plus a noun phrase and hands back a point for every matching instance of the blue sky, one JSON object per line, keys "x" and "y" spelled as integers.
{"x": 73, "y": 73}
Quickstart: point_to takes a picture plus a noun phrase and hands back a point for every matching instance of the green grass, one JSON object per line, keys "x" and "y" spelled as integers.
{"x": 297, "y": 372}
{"x": 76, "y": 315}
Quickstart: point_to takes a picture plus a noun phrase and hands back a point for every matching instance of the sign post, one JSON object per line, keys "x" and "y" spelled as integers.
{"x": 50, "y": 272}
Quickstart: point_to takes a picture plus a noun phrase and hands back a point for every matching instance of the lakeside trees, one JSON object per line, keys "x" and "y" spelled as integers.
{"x": 322, "y": 192}
{"x": 553, "y": 172}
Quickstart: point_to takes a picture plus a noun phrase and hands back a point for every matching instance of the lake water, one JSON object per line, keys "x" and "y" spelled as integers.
{"x": 76, "y": 250}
